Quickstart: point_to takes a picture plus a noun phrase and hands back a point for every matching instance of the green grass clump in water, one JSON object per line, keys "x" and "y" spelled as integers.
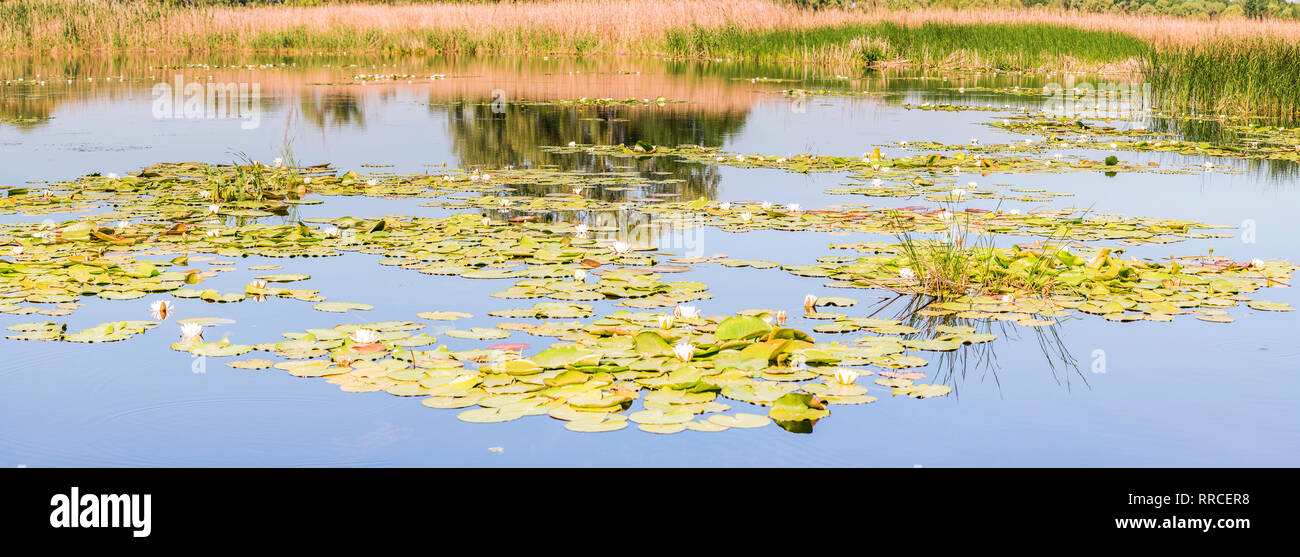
{"x": 1244, "y": 77}
{"x": 1018, "y": 46}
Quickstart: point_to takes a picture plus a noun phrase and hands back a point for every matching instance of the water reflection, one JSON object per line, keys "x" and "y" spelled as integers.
{"x": 336, "y": 92}
{"x": 980, "y": 360}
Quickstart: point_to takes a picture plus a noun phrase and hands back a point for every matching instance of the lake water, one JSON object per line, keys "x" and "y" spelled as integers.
{"x": 1185, "y": 393}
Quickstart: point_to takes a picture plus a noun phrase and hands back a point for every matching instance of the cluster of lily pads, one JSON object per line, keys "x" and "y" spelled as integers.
{"x": 1250, "y": 141}
{"x": 152, "y": 231}
{"x": 1033, "y": 285}
{"x": 681, "y": 366}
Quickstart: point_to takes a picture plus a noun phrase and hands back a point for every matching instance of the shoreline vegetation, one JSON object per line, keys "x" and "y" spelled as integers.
{"x": 1228, "y": 64}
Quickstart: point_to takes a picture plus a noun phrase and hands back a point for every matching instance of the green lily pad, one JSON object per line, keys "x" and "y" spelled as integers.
{"x": 341, "y": 307}
{"x": 798, "y": 406}
{"x": 740, "y": 420}
{"x": 479, "y": 333}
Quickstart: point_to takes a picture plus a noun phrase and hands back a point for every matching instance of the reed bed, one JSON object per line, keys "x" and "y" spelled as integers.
{"x": 559, "y": 26}
{"x": 1258, "y": 77}
{"x": 1227, "y": 65}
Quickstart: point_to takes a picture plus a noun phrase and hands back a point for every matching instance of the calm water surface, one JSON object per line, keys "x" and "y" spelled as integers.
{"x": 1187, "y": 393}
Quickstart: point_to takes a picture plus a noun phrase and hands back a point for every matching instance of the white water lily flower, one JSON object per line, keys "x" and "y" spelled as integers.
{"x": 581, "y": 230}
{"x": 1256, "y": 263}
{"x": 665, "y": 322}
{"x": 573, "y": 144}
{"x": 944, "y": 215}
{"x": 767, "y": 205}
{"x": 726, "y": 206}
{"x": 740, "y": 158}
{"x": 902, "y": 144}
{"x": 580, "y": 275}
{"x": 906, "y": 273}
{"x": 1014, "y": 212}
{"x": 684, "y": 351}
{"x": 332, "y": 232}
{"x": 1209, "y": 165}
{"x": 18, "y": 250}
{"x": 845, "y": 376}
{"x": 974, "y": 141}
{"x": 503, "y": 202}
{"x": 277, "y": 162}
{"x": 780, "y": 317}
{"x": 620, "y": 248}
{"x": 215, "y": 232}
{"x": 112, "y": 175}
{"x": 372, "y": 182}
{"x": 956, "y": 170}
{"x": 780, "y": 159}
{"x": 877, "y": 182}
{"x": 809, "y": 302}
{"x": 258, "y": 284}
{"x": 487, "y": 177}
{"x": 122, "y": 225}
{"x": 958, "y": 192}
{"x": 364, "y": 336}
{"x": 160, "y": 309}
{"x": 214, "y": 208}
{"x": 686, "y": 312}
{"x": 793, "y": 207}
{"x": 1058, "y": 156}
{"x": 306, "y": 180}
{"x": 1008, "y": 298}
{"x": 577, "y": 191}
{"x": 972, "y": 185}
{"x": 191, "y": 331}
{"x": 1114, "y": 145}
{"x": 744, "y": 217}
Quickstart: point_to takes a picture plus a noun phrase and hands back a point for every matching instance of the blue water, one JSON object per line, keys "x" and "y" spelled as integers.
{"x": 1186, "y": 393}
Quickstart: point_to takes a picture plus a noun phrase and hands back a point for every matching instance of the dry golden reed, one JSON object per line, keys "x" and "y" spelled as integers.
{"x": 612, "y": 26}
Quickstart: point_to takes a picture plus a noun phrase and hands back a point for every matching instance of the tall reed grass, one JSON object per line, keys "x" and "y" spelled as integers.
{"x": 1257, "y": 76}
{"x": 1226, "y": 65}
{"x": 614, "y": 26}
{"x": 1018, "y": 46}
